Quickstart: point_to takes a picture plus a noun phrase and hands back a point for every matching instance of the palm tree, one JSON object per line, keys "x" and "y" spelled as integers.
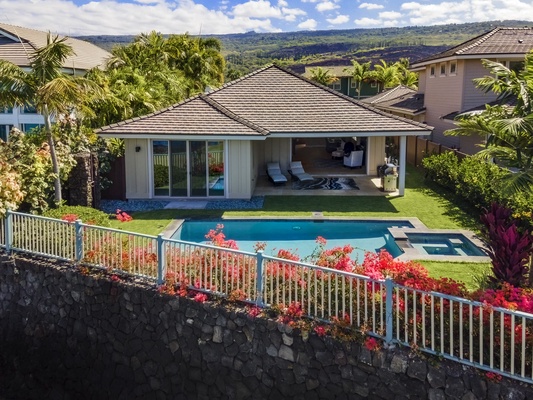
{"x": 406, "y": 77}
{"x": 199, "y": 59}
{"x": 508, "y": 129}
{"x": 385, "y": 74}
{"x": 323, "y": 76}
{"x": 360, "y": 73}
{"x": 48, "y": 88}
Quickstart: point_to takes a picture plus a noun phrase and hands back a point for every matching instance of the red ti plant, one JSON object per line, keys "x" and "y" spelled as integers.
{"x": 508, "y": 248}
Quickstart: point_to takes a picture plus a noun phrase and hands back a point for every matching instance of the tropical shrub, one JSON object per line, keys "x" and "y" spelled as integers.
{"x": 87, "y": 215}
{"x": 10, "y": 192}
{"x": 508, "y": 248}
{"x": 160, "y": 175}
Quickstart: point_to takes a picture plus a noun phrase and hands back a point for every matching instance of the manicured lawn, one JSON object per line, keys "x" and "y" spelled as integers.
{"x": 432, "y": 205}
{"x": 469, "y": 273}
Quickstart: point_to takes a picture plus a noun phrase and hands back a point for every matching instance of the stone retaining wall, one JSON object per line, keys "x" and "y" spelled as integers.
{"x": 65, "y": 335}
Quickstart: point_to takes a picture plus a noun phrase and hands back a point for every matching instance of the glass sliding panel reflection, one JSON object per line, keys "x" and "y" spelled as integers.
{"x": 178, "y": 168}
{"x": 161, "y": 167}
{"x": 215, "y": 158}
{"x": 198, "y": 171}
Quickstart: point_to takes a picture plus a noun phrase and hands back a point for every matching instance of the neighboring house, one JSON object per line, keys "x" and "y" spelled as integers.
{"x": 445, "y": 79}
{"x": 345, "y": 83}
{"x": 402, "y": 101}
{"x": 16, "y": 45}
{"x": 218, "y": 144}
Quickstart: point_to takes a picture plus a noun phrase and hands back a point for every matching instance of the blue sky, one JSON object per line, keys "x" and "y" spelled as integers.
{"x": 107, "y": 17}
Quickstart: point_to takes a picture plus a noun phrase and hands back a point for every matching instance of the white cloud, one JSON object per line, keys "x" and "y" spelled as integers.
{"x": 390, "y": 15}
{"x": 368, "y": 22}
{"x": 326, "y": 6}
{"x": 339, "y": 19}
{"x": 446, "y": 12}
{"x": 371, "y": 6}
{"x": 309, "y": 24}
{"x": 257, "y": 9}
{"x": 282, "y": 3}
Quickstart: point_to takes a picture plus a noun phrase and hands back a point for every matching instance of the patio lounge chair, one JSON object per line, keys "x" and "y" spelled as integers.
{"x": 275, "y": 175}
{"x": 297, "y": 171}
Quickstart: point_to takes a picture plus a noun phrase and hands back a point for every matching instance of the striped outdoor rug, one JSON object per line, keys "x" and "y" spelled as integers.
{"x": 326, "y": 184}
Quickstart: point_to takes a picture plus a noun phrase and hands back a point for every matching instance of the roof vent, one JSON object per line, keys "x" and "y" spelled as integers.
{"x": 520, "y": 40}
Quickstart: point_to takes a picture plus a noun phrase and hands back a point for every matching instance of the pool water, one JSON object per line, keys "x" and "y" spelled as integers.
{"x": 218, "y": 185}
{"x": 299, "y": 236}
{"x": 444, "y": 244}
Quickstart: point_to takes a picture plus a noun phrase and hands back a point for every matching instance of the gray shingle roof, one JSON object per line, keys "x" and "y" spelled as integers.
{"x": 17, "y": 43}
{"x": 271, "y": 100}
{"x": 498, "y": 41}
{"x": 400, "y": 98}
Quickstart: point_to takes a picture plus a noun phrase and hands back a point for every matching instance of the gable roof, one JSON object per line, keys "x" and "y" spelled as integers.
{"x": 18, "y": 43}
{"x": 495, "y": 43}
{"x": 269, "y": 101}
{"x": 399, "y": 98}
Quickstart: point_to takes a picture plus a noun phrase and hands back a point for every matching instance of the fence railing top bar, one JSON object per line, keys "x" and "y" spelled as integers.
{"x": 323, "y": 269}
{"x": 210, "y": 246}
{"x": 32, "y": 216}
{"x": 126, "y": 233}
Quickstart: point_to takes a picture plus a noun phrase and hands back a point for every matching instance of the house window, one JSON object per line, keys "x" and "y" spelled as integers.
{"x": 4, "y": 131}
{"x": 353, "y": 84}
{"x": 335, "y": 86}
{"x": 31, "y": 128}
{"x": 373, "y": 84}
{"x": 516, "y": 66}
{"x": 29, "y": 109}
{"x": 443, "y": 69}
{"x": 432, "y": 71}
{"x": 7, "y": 110}
{"x": 453, "y": 68}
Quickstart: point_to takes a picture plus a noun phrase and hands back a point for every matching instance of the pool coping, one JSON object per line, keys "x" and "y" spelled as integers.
{"x": 399, "y": 234}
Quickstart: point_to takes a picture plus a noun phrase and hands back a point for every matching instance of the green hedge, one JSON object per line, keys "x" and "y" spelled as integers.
{"x": 86, "y": 214}
{"x": 478, "y": 182}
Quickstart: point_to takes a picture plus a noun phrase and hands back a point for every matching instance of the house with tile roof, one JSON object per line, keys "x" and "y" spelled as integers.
{"x": 345, "y": 83}
{"x": 16, "y": 45}
{"x": 218, "y": 144}
{"x": 400, "y": 100}
{"x": 446, "y": 80}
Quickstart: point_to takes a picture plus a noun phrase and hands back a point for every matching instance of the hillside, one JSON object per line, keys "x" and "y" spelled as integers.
{"x": 247, "y": 51}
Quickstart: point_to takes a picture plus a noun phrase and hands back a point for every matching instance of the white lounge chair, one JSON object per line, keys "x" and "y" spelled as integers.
{"x": 275, "y": 175}
{"x": 355, "y": 159}
{"x": 297, "y": 171}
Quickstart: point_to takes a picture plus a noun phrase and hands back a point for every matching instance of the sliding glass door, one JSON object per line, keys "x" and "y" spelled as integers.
{"x": 188, "y": 168}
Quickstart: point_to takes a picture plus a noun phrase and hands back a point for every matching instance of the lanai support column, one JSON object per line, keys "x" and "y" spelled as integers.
{"x": 403, "y": 164}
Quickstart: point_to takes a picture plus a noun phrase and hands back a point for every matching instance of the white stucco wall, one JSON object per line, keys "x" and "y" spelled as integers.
{"x": 137, "y": 181}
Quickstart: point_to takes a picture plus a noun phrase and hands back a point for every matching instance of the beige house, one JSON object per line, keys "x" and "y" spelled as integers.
{"x": 16, "y": 45}
{"x": 218, "y": 144}
{"x": 445, "y": 79}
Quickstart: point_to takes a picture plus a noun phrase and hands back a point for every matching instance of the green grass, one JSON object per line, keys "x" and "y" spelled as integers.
{"x": 433, "y": 206}
{"x": 466, "y": 272}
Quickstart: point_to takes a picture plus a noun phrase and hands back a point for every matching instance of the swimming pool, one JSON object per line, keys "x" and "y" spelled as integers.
{"x": 299, "y": 236}
{"x": 447, "y": 244}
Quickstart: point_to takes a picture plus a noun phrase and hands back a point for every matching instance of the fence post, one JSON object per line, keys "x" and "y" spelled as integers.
{"x": 79, "y": 240}
{"x": 9, "y": 231}
{"x": 389, "y": 320}
{"x": 259, "y": 279}
{"x": 160, "y": 260}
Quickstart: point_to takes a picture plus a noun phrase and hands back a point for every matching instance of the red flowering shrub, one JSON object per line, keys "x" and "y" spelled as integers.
{"x": 70, "y": 218}
{"x": 218, "y": 238}
{"x": 371, "y": 344}
{"x": 200, "y": 297}
{"x": 254, "y": 311}
{"x": 122, "y": 216}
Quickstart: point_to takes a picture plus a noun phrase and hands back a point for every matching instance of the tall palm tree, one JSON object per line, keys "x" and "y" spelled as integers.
{"x": 323, "y": 76}
{"x": 46, "y": 87}
{"x": 406, "y": 77}
{"x": 508, "y": 129}
{"x": 385, "y": 74}
{"x": 360, "y": 73}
